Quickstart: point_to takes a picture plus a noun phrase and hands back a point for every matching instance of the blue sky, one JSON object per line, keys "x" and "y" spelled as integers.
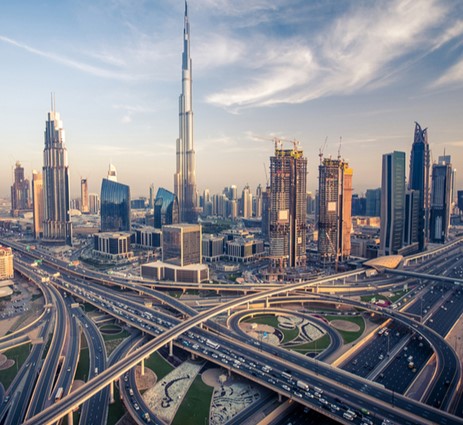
{"x": 310, "y": 70}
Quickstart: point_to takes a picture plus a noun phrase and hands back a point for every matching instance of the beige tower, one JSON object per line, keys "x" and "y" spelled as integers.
{"x": 37, "y": 203}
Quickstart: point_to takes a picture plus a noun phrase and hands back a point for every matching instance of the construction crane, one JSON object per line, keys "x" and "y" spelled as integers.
{"x": 278, "y": 141}
{"x": 339, "y": 149}
{"x": 322, "y": 149}
{"x": 266, "y": 175}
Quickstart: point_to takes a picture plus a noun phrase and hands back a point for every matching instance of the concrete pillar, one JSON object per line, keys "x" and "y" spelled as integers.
{"x": 142, "y": 367}
{"x": 280, "y": 398}
{"x": 171, "y": 349}
{"x": 70, "y": 418}
{"x": 247, "y": 306}
{"x": 267, "y": 304}
{"x": 111, "y": 392}
{"x": 229, "y": 373}
{"x": 228, "y": 312}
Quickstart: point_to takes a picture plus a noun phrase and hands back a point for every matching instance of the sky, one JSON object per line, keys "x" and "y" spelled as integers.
{"x": 360, "y": 72}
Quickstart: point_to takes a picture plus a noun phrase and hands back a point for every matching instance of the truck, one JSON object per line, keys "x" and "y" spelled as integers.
{"x": 45, "y": 279}
{"x": 59, "y": 393}
{"x": 303, "y": 385}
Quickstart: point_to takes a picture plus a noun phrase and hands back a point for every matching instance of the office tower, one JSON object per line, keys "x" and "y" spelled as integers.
{"x": 359, "y": 205}
{"x": 335, "y": 210}
{"x": 392, "y": 202}
{"x": 6, "y": 263}
{"x": 258, "y": 202}
{"x": 151, "y": 199}
{"x": 440, "y": 202}
{"x": 37, "y": 203}
{"x": 84, "y": 196}
{"x": 447, "y": 159}
{"x": 246, "y": 202}
{"x": 166, "y": 210}
{"x": 373, "y": 202}
{"x": 288, "y": 202}
{"x": 94, "y": 203}
{"x": 412, "y": 206}
{"x": 115, "y": 205}
{"x": 19, "y": 192}
{"x": 419, "y": 180}
{"x": 57, "y": 226}
{"x": 185, "y": 177}
{"x": 181, "y": 244}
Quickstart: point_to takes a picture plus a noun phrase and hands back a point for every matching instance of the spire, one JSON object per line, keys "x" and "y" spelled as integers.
{"x": 186, "y": 41}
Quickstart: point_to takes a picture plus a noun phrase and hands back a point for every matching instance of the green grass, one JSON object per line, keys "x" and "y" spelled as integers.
{"x": 319, "y": 345}
{"x": 121, "y": 335}
{"x": 397, "y": 295}
{"x": 116, "y": 410}
{"x": 346, "y": 335}
{"x": 194, "y": 409}
{"x": 288, "y": 334}
{"x": 158, "y": 365}
{"x": 84, "y": 365}
{"x": 110, "y": 327}
{"x": 19, "y": 355}
{"x": 367, "y": 298}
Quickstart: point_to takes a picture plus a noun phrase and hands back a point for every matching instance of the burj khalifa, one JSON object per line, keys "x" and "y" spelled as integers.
{"x": 185, "y": 176}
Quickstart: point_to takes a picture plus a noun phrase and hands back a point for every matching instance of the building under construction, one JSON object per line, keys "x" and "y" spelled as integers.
{"x": 335, "y": 203}
{"x": 288, "y": 203}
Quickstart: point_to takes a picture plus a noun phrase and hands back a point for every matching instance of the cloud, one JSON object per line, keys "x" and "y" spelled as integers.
{"x": 358, "y": 50}
{"x": 454, "y": 75}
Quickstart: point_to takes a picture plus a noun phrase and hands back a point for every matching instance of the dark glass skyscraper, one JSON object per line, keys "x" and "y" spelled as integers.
{"x": 419, "y": 180}
{"x": 185, "y": 176}
{"x": 165, "y": 208}
{"x": 392, "y": 203}
{"x": 57, "y": 226}
{"x": 440, "y": 202}
{"x": 115, "y": 206}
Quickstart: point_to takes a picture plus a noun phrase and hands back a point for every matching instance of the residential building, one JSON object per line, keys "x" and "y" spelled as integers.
{"x": 37, "y": 204}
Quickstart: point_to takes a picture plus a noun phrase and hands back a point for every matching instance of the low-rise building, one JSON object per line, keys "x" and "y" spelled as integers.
{"x": 6, "y": 263}
{"x": 213, "y": 248}
{"x": 192, "y": 273}
{"x": 114, "y": 246}
{"x": 148, "y": 237}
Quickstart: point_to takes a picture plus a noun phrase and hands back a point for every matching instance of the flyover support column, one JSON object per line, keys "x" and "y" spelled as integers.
{"x": 111, "y": 392}
{"x": 70, "y": 418}
{"x": 267, "y": 304}
{"x": 280, "y": 398}
{"x": 142, "y": 367}
{"x": 171, "y": 349}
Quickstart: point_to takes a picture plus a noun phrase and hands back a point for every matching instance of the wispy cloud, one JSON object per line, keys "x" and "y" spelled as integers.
{"x": 453, "y": 76}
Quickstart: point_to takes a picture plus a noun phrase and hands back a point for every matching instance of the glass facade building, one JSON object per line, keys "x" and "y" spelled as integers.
{"x": 115, "y": 207}
{"x": 166, "y": 209}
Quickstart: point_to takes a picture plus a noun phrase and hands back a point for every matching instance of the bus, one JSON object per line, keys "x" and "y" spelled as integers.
{"x": 59, "y": 393}
{"x": 286, "y": 375}
{"x": 211, "y": 344}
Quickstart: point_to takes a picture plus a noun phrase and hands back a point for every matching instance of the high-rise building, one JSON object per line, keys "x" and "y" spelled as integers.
{"x": 181, "y": 244}
{"x": 460, "y": 201}
{"x": 266, "y": 214}
{"x": 359, "y": 205}
{"x": 84, "y": 196}
{"x": 165, "y": 208}
{"x": 335, "y": 207}
{"x": 392, "y": 203}
{"x": 288, "y": 205}
{"x": 115, "y": 206}
{"x": 185, "y": 176}
{"x": 6, "y": 263}
{"x": 412, "y": 204}
{"x": 419, "y": 180}
{"x": 373, "y": 202}
{"x": 151, "y": 199}
{"x": 57, "y": 226}
{"x": 440, "y": 202}
{"x": 37, "y": 203}
{"x": 447, "y": 159}
{"x": 20, "y": 196}
{"x": 258, "y": 202}
{"x": 246, "y": 202}
{"x": 94, "y": 203}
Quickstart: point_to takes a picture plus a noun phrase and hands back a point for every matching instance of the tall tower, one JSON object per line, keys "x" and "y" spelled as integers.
{"x": 392, "y": 203}
{"x": 185, "y": 177}
{"x": 20, "y": 199}
{"x": 37, "y": 203}
{"x": 288, "y": 200}
{"x": 419, "y": 180}
{"x": 335, "y": 206}
{"x": 84, "y": 196}
{"x": 57, "y": 226}
{"x": 440, "y": 202}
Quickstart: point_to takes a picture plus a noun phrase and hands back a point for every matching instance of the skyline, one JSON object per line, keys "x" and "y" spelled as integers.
{"x": 288, "y": 69}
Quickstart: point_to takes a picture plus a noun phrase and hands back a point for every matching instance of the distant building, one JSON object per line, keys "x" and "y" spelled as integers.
{"x": 460, "y": 201}
{"x": 358, "y": 205}
{"x": 115, "y": 206}
{"x": 392, "y": 203}
{"x": 212, "y": 248}
{"x": 57, "y": 226}
{"x": 37, "y": 204}
{"x": 114, "y": 246}
{"x": 148, "y": 237}
{"x": 373, "y": 202}
{"x": 288, "y": 208}
{"x": 166, "y": 209}
{"x": 181, "y": 244}
{"x": 266, "y": 214}
{"x": 151, "y": 198}
{"x": 20, "y": 192}
{"x": 244, "y": 250}
{"x": 258, "y": 202}
{"x": 138, "y": 204}
{"x": 94, "y": 203}
{"x": 412, "y": 205}
{"x": 335, "y": 207}
{"x": 6, "y": 263}
{"x": 246, "y": 202}
{"x": 440, "y": 202}
{"x": 84, "y": 206}
{"x": 419, "y": 180}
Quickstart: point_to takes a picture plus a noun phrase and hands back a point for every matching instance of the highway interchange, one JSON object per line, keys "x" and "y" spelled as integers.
{"x": 262, "y": 363}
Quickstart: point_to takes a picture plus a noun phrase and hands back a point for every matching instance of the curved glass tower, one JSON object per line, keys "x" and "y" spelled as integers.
{"x": 115, "y": 206}
{"x": 165, "y": 208}
{"x": 57, "y": 226}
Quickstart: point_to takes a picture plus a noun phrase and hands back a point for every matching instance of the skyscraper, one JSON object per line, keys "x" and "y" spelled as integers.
{"x": 258, "y": 202}
{"x": 392, "y": 203}
{"x": 419, "y": 180}
{"x": 84, "y": 196}
{"x": 165, "y": 208}
{"x": 115, "y": 207}
{"x": 440, "y": 202}
{"x": 246, "y": 202}
{"x": 288, "y": 205}
{"x": 20, "y": 198}
{"x": 185, "y": 176}
{"x": 373, "y": 206}
{"x": 335, "y": 206}
{"x": 37, "y": 203}
{"x": 94, "y": 203}
{"x": 57, "y": 226}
